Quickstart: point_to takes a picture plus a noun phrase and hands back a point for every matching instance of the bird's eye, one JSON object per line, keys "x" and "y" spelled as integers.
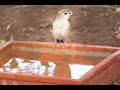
{"x": 65, "y": 13}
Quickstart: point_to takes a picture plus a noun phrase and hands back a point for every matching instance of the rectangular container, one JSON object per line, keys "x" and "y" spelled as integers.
{"x": 106, "y": 61}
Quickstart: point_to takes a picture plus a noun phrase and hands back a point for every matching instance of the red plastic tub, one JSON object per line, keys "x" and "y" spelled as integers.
{"x": 106, "y": 62}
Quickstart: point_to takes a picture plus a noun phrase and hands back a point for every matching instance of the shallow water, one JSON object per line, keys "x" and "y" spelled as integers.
{"x": 19, "y": 65}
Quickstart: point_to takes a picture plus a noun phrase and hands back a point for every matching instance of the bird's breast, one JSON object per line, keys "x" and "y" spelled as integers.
{"x": 60, "y": 28}
{"x": 61, "y": 25}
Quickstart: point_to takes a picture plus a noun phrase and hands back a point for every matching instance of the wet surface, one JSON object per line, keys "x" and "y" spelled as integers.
{"x": 19, "y": 65}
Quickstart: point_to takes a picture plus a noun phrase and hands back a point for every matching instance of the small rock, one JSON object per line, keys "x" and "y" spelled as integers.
{"x": 35, "y": 65}
{"x": 2, "y": 42}
{"x": 51, "y": 70}
{"x": 23, "y": 64}
{"x": 31, "y": 29}
{"x": 15, "y": 70}
{"x": 106, "y": 14}
{"x": 7, "y": 69}
{"x": 35, "y": 71}
{"x": 118, "y": 36}
{"x": 118, "y": 23}
{"x": 119, "y": 29}
{"x": 43, "y": 10}
{"x": 27, "y": 70}
{"x": 115, "y": 83}
{"x": 117, "y": 10}
{"x": 101, "y": 14}
{"x": 42, "y": 70}
{"x": 85, "y": 13}
{"x": 117, "y": 32}
{"x": 50, "y": 74}
{"x": 23, "y": 30}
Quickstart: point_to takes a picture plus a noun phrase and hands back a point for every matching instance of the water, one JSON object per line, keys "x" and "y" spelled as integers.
{"x": 19, "y": 65}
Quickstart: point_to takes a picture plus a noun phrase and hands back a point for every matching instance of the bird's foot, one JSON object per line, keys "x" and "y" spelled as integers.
{"x": 54, "y": 47}
{"x": 64, "y": 44}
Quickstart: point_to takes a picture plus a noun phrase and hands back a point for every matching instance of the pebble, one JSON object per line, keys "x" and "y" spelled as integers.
{"x": 21, "y": 68}
{"x": 15, "y": 70}
{"x": 117, "y": 10}
{"x": 118, "y": 36}
{"x": 119, "y": 29}
{"x": 27, "y": 71}
{"x": 7, "y": 69}
{"x": 118, "y": 22}
{"x": 51, "y": 69}
{"x": 34, "y": 65}
{"x": 42, "y": 70}
{"x": 106, "y": 14}
{"x": 85, "y": 13}
{"x": 115, "y": 83}
{"x": 101, "y": 14}
{"x": 117, "y": 32}
{"x": 23, "y": 65}
{"x": 50, "y": 74}
{"x": 35, "y": 71}
{"x": 29, "y": 66}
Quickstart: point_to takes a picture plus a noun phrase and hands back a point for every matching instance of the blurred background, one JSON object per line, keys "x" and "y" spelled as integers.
{"x": 91, "y": 24}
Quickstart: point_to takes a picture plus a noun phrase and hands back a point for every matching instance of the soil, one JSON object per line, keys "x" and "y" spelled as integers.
{"x": 90, "y": 24}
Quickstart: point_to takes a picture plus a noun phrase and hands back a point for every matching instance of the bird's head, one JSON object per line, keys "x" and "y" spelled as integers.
{"x": 64, "y": 13}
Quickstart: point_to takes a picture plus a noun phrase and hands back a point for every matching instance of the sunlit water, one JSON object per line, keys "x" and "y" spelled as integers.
{"x": 18, "y": 65}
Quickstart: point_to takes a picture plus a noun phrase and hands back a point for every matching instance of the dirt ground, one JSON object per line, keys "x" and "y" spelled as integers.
{"x": 90, "y": 24}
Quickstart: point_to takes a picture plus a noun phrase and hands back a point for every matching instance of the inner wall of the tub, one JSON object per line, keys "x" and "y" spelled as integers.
{"x": 46, "y": 61}
{"x": 69, "y": 56}
{"x": 5, "y": 54}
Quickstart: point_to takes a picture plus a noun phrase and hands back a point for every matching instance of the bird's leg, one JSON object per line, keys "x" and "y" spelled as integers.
{"x": 64, "y": 42}
{"x": 55, "y": 40}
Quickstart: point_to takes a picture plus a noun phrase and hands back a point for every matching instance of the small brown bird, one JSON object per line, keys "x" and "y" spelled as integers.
{"x": 61, "y": 27}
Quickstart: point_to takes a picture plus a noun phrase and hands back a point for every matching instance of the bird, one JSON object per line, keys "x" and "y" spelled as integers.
{"x": 61, "y": 27}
